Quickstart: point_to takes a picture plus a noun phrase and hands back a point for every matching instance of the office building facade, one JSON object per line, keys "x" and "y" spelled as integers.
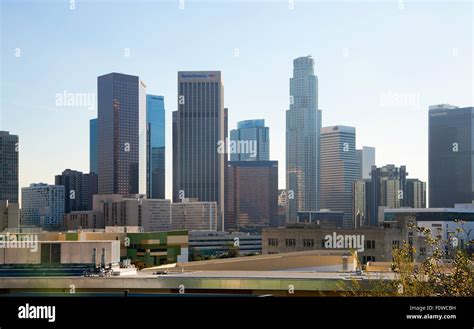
{"x": 323, "y": 218}
{"x": 252, "y": 194}
{"x": 121, "y": 134}
{"x": 155, "y": 113}
{"x": 339, "y": 169}
{"x": 415, "y": 193}
{"x": 79, "y": 189}
{"x": 450, "y": 153}
{"x": 93, "y": 146}
{"x": 9, "y": 151}
{"x": 388, "y": 187}
{"x": 9, "y": 215}
{"x": 43, "y": 205}
{"x": 360, "y": 202}
{"x": 148, "y": 214}
{"x": 366, "y": 157}
{"x": 193, "y": 215}
{"x": 250, "y": 141}
{"x": 303, "y": 125}
{"x": 199, "y": 136}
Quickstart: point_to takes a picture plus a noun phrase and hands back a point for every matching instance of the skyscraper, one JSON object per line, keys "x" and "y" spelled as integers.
{"x": 93, "y": 141}
{"x": 450, "y": 152}
{"x": 199, "y": 137}
{"x": 360, "y": 202}
{"x": 155, "y": 114}
{"x": 251, "y": 141}
{"x": 366, "y": 157}
{"x": 9, "y": 149}
{"x": 42, "y": 205}
{"x": 388, "y": 187}
{"x": 340, "y": 167}
{"x": 72, "y": 182}
{"x": 303, "y": 125}
{"x": 415, "y": 193}
{"x": 252, "y": 199}
{"x": 122, "y": 134}
{"x": 79, "y": 189}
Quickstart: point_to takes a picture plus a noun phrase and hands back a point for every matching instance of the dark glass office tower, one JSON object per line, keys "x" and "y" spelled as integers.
{"x": 79, "y": 189}
{"x": 72, "y": 182}
{"x": 252, "y": 197}
{"x": 450, "y": 153}
{"x": 155, "y": 113}
{"x": 251, "y": 141}
{"x": 93, "y": 140}
{"x": 198, "y": 132}
{"x": 122, "y": 134}
{"x": 9, "y": 150}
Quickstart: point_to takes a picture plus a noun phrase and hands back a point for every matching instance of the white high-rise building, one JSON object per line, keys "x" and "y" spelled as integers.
{"x": 303, "y": 125}
{"x": 43, "y": 205}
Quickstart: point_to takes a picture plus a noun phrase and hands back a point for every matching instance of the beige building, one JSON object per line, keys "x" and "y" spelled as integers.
{"x": 9, "y": 215}
{"x": 372, "y": 244}
{"x": 194, "y": 215}
{"x": 114, "y": 210}
{"x": 88, "y": 219}
{"x": 62, "y": 252}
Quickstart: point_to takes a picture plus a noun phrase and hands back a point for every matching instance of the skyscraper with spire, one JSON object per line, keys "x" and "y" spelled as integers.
{"x": 303, "y": 125}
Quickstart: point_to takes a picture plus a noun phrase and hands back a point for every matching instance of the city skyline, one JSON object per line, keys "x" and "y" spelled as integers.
{"x": 344, "y": 61}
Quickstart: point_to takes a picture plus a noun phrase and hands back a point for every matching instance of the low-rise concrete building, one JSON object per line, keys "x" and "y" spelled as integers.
{"x": 372, "y": 244}
{"x": 62, "y": 252}
{"x": 142, "y": 248}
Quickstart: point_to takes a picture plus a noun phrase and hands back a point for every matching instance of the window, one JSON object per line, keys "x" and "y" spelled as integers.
{"x": 370, "y": 244}
{"x": 395, "y": 244}
{"x": 366, "y": 259}
{"x": 308, "y": 243}
{"x": 290, "y": 242}
{"x": 273, "y": 242}
{"x": 422, "y": 251}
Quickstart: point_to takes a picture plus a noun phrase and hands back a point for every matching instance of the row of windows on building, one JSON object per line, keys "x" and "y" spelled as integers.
{"x": 309, "y": 243}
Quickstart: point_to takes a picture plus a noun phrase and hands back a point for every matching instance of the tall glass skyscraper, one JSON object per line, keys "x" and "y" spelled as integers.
{"x": 253, "y": 140}
{"x": 122, "y": 134}
{"x": 450, "y": 152}
{"x": 303, "y": 125}
{"x": 155, "y": 117}
{"x": 340, "y": 168}
{"x": 199, "y": 128}
{"x": 93, "y": 141}
{"x": 8, "y": 167}
{"x": 366, "y": 157}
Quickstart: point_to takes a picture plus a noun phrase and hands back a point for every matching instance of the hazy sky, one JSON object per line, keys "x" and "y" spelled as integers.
{"x": 380, "y": 64}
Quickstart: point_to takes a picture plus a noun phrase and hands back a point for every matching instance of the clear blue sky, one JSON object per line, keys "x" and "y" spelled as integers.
{"x": 367, "y": 54}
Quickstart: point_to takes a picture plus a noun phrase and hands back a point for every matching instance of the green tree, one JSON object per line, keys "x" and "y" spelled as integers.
{"x": 447, "y": 270}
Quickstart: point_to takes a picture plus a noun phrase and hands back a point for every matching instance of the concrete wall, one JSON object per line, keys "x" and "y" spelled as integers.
{"x": 72, "y": 252}
{"x": 314, "y": 260}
